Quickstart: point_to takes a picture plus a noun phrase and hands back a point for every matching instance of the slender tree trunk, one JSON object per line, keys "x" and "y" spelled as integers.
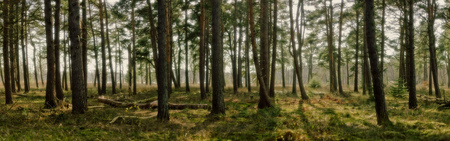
{"x": 84, "y": 43}
{"x": 40, "y": 70}
{"x": 274, "y": 50}
{"x": 432, "y": 45}
{"x": 16, "y": 43}
{"x": 202, "y": 51}
{"x": 218, "y": 104}
{"x": 355, "y": 88}
{"x": 186, "y": 47}
{"x": 296, "y": 62}
{"x": 11, "y": 47}
{"x": 283, "y": 68}
{"x": 264, "y": 48}
{"x": 97, "y": 71}
{"x": 329, "y": 26}
{"x": 64, "y": 59}
{"x": 34, "y": 64}
{"x": 58, "y": 88}
{"x": 113, "y": 80}
{"x": 207, "y": 55}
{"x": 133, "y": 26}
{"x": 103, "y": 43}
{"x": 380, "y": 105}
{"x": 247, "y": 56}
{"x": 264, "y": 101}
{"x": 339, "y": 49}
{"x": 383, "y": 21}
{"x": 6, "y": 30}
{"x": 233, "y": 49}
{"x": 79, "y": 97}
{"x": 50, "y": 88}
{"x": 22, "y": 36}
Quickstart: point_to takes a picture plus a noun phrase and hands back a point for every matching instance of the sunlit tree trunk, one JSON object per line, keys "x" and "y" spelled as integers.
{"x": 431, "y": 9}
{"x": 58, "y": 88}
{"x": 274, "y": 50}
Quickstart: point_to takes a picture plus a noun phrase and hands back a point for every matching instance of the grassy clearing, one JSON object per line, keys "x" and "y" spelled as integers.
{"x": 324, "y": 117}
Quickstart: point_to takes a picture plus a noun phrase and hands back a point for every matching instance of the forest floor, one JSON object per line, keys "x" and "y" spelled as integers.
{"x": 325, "y": 116}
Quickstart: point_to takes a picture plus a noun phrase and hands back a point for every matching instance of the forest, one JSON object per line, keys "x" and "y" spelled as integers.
{"x": 225, "y": 70}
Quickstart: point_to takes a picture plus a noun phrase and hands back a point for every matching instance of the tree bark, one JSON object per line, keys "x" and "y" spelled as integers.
{"x": 355, "y": 88}
{"x": 329, "y": 28}
{"x": 6, "y": 30}
{"x": 163, "y": 109}
{"x": 50, "y": 88}
{"x": 296, "y": 62}
{"x": 97, "y": 71}
{"x": 11, "y": 46}
{"x": 186, "y": 47}
{"x": 84, "y": 43}
{"x": 247, "y": 56}
{"x": 431, "y": 9}
{"x": 103, "y": 44}
{"x": 412, "y": 74}
{"x": 218, "y": 104}
{"x": 24, "y": 47}
{"x": 274, "y": 50}
{"x": 264, "y": 101}
{"x": 264, "y": 46}
{"x": 58, "y": 88}
{"x": 202, "y": 51}
{"x": 339, "y": 49}
{"x": 79, "y": 97}
{"x": 380, "y": 105}
{"x": 113, "y": 80}
{"x": 133, "y": 28}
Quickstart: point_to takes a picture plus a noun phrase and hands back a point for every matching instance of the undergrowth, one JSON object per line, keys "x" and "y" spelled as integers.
{"x": 328, "y": 117}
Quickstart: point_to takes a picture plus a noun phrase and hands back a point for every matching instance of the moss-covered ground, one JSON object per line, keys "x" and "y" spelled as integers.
{"x": 325, "y": 116}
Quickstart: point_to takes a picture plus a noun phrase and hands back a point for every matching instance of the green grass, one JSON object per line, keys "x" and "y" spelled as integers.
{"x": 328, "y": 118}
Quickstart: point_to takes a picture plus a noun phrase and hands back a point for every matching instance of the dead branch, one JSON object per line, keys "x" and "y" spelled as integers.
{"x": 153, "y": 104}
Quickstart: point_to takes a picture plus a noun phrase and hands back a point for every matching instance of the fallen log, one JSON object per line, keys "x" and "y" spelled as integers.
{"x": 118, "y": 118}
{"x": 153, "y": 104}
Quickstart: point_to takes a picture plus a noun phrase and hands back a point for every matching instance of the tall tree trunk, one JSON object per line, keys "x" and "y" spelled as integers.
{"x": 58, "y": 88}
{"x": 202, "y": 50}
{"x": 97, "y": 71}
{"x": 296, "y": 62}
{"x": 247, "y": 56}
{"x": 411, "y": 69}
{"x": 355, "y": 88}
{"x": 264, "y": 101}
{"x": 16, "y": 43}
{"x": 264, "y": 48}
{"x": 84, "y": 43}
{"x": 64, "y": 58}
{"x": 6, "y": 30}
{"x": 22, "y": 36}
{"x": 113, "y": 80}
{"x": 274, "y": 50}
{"x": 50, "y": 88}
{"x": 233, "y": 49}
{"x": 383, "y": 20}
{"x": 103, "y": 43}
{"x": 380, "y": 105}
{"x": 329, "y": 28}
{"x": 186, "y": 47}
{"x": 34, "y": 63}
{"x": 218, "y": 104}
{"x": 163, "y": 109}
{"x": 11, "y": 47}
{"x": 79, "y": 97}
{"x": 207, "y": 54}
{"x": 339, "y": 49}
{"x": 283, "y": 78}
{"x": 153, "y": 35}
{"x": 133, "y": 27}
{"x": 432, "y": 45}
